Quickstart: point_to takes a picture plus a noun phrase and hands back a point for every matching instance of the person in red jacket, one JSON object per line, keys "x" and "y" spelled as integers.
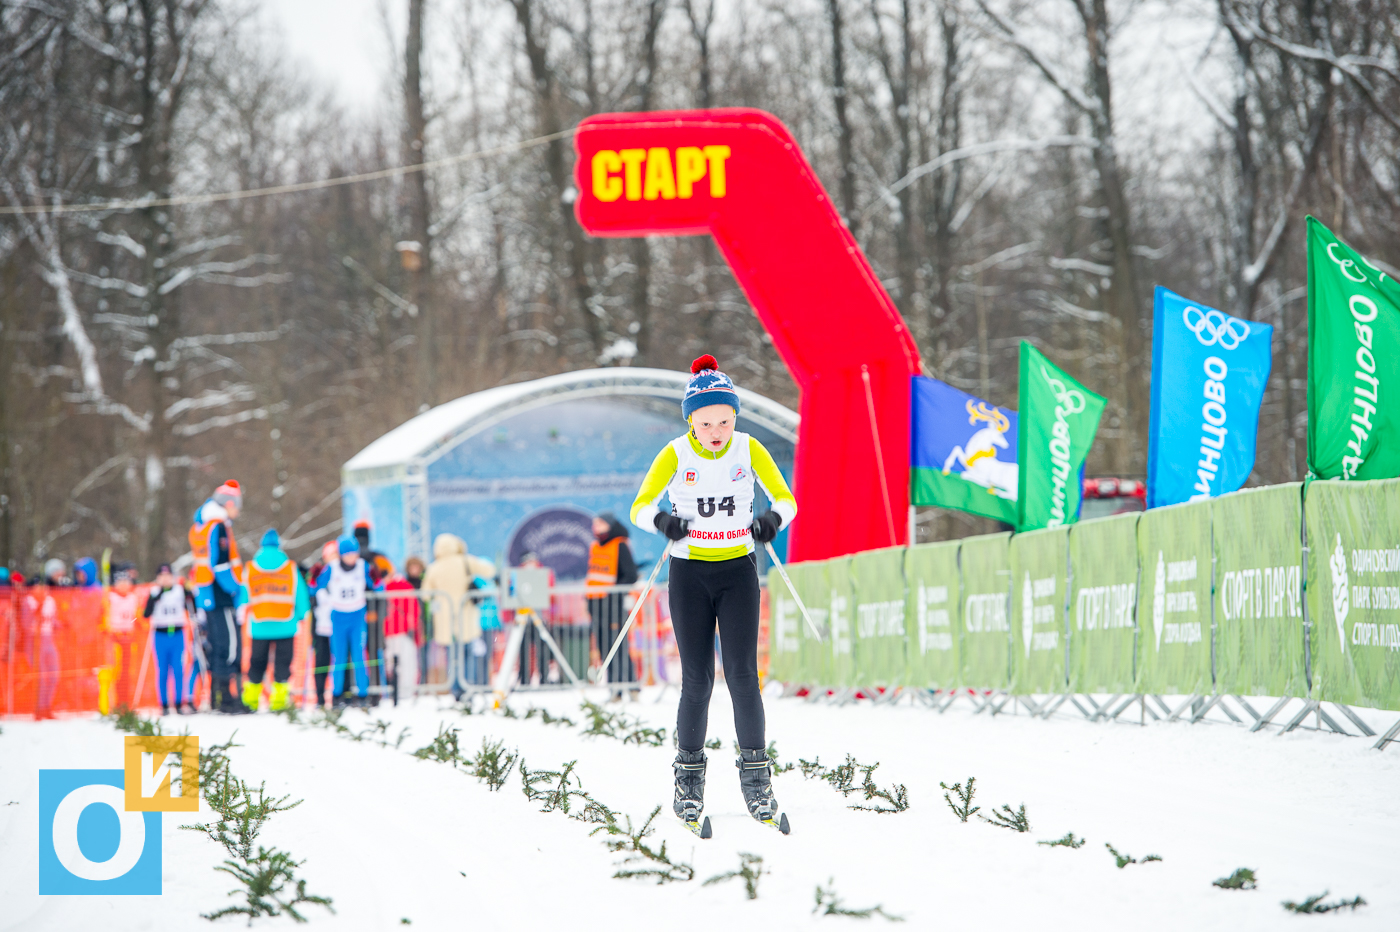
{"x": 402, "y": 624}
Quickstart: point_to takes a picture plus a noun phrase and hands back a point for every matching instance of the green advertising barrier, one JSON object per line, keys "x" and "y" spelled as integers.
{"x": 841, "y": 661}
{"x": 1174, "y": 616}
{"x": 986, "y": 631}
{"x": 1039, "y": 561}
{"x": 784, "y": 630}
{"x": 877, "y": 589}
{"x": 807, "y": 662}
{"x": 1103, "y": 604}
{"x": 931, "y": 620}
{"x": 1258, "y": 592}
{"x": 1354, "y": 591}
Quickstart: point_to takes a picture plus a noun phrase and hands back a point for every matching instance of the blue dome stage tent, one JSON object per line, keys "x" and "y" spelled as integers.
{"x": 525, "y": 467}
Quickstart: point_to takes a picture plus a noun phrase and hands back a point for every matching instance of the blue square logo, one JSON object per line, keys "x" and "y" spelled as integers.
{"x": 88, "y": 843}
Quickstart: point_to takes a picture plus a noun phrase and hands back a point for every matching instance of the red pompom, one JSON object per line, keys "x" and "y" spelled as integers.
{"x": 704, "y": 362}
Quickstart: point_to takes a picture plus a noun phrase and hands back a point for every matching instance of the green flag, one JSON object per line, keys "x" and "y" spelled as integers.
{"x": 1058, "y": 419}
{"x": 1353, "y": 362}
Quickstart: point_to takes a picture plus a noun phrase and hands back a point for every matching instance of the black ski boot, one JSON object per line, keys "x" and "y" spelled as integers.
{"x": 756, "y": 782}
{"x": 690, "y": 790}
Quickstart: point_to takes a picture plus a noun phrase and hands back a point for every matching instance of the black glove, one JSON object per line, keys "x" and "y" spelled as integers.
{"x": 765, "y": 528}
{"x": 672, "y": 527}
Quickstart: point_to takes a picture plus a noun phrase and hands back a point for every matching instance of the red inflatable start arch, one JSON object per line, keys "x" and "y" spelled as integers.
{"x": 739, "y": 176}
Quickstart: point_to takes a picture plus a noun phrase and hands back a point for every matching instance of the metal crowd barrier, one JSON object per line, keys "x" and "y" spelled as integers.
{"x": 557, "y": 643}
{"x": 560, "y": 641}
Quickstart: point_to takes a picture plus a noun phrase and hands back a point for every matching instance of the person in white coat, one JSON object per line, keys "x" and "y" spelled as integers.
{"x": 446, "y": 583}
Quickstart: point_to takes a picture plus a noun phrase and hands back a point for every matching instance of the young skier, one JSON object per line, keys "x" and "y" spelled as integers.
{"x": 168, "y": 606}
{"x": 122, "y": 605}
{"x": 275, "y": 599}
{"x": 709, "y": 474}
{"x": 346, "y": 583}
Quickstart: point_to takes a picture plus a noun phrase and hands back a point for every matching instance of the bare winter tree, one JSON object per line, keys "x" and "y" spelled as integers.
{"x": 1092, "y": 99}
{"x": 153, "y": 346}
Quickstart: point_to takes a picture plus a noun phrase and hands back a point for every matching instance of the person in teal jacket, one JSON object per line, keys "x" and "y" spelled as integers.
{"x": 275, "y": 599}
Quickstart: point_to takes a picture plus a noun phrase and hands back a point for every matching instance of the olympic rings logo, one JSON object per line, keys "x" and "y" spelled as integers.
{"x": 1212, "y": 327}
{"x": 1070, "y": 400}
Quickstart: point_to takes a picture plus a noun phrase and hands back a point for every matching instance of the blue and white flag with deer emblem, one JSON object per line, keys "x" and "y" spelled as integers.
{"x": 962, "y": 452}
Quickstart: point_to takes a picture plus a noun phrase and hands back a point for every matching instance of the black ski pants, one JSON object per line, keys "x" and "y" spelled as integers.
{"x": 706, "y": 595}
{"x": 322, "y": 645}
{"x": 225, "y": 655}
{"x": 282, "y": 659}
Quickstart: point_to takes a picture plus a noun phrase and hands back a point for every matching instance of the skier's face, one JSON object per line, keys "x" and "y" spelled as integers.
{"x": 713, "y": 425}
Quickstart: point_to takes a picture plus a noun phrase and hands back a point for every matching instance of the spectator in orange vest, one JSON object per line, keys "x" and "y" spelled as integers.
{"x": 217, "y": 574}
{"x": 275, "y": 599}
{"x": 610, "y": 563}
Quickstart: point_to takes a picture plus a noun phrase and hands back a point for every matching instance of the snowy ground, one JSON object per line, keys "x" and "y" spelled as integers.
{"x": 393, "y": 839}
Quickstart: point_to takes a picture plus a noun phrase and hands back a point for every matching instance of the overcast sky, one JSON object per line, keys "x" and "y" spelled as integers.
{"x": 343, "y": 44}
{"x": 340, "y": 42}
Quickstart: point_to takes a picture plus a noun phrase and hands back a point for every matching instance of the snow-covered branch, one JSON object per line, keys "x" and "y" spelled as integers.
{"x": 101, "y": 404}
{"x": 121, "y": 239}
{"x": 228, "y": 339}
{"x": 207, "y": 244}
{"x": 109, "y": 283}
{"x": 1056, "y": 303}
{"x": 228, "y": 420}
{"x": 91, "y": 479}
{"x": 984, "y": 148}
{"x": 1081, "y": 265}
{"x": 249, "y": 281}
{"x": 997, "y": 258}
{"x": 206, "y": 270}
{"x": 408, "y": 307}
{"x": 1349, "y": 65}
{"x": 312, "y": 512}
{"x": 1016, "y": 36}
{"x": 212, "y": 398}
{"x": 1216, "y": 108}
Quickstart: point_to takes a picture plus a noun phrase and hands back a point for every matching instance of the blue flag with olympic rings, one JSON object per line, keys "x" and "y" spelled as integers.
{"x": 1209, "y": 371}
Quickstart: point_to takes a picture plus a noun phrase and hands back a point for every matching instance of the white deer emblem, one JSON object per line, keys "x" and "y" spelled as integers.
{"x": 978, "y": 456}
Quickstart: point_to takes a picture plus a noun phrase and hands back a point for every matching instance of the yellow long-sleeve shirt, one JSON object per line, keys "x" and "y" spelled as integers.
{"x": 663, "y": 469}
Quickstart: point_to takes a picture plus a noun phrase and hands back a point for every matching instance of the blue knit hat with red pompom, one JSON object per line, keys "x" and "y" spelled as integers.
{"x": 708, "y": 386}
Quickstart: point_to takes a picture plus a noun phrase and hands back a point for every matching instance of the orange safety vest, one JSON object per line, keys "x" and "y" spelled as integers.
{"x": 199, "y": 549}
{"x": 272, "y": 594}
{"x": 602, "y": 565}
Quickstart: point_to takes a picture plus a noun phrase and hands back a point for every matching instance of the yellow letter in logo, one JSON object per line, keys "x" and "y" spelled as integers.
{"x": 633, "y": 159}
{"x": 690, "y": 168}
{"x": 717, "y": 155}
{"x": 660, "y": 179}
{"x": 605, "y": 186}
{"x": 162, "y": 774}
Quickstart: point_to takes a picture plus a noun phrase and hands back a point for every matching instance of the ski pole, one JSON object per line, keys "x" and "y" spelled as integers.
{"x": 778, "y": 565}
{"x": 641, "y": 600}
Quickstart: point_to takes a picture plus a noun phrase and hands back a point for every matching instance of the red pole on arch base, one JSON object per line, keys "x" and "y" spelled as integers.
{"x": 737, "y": 175}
